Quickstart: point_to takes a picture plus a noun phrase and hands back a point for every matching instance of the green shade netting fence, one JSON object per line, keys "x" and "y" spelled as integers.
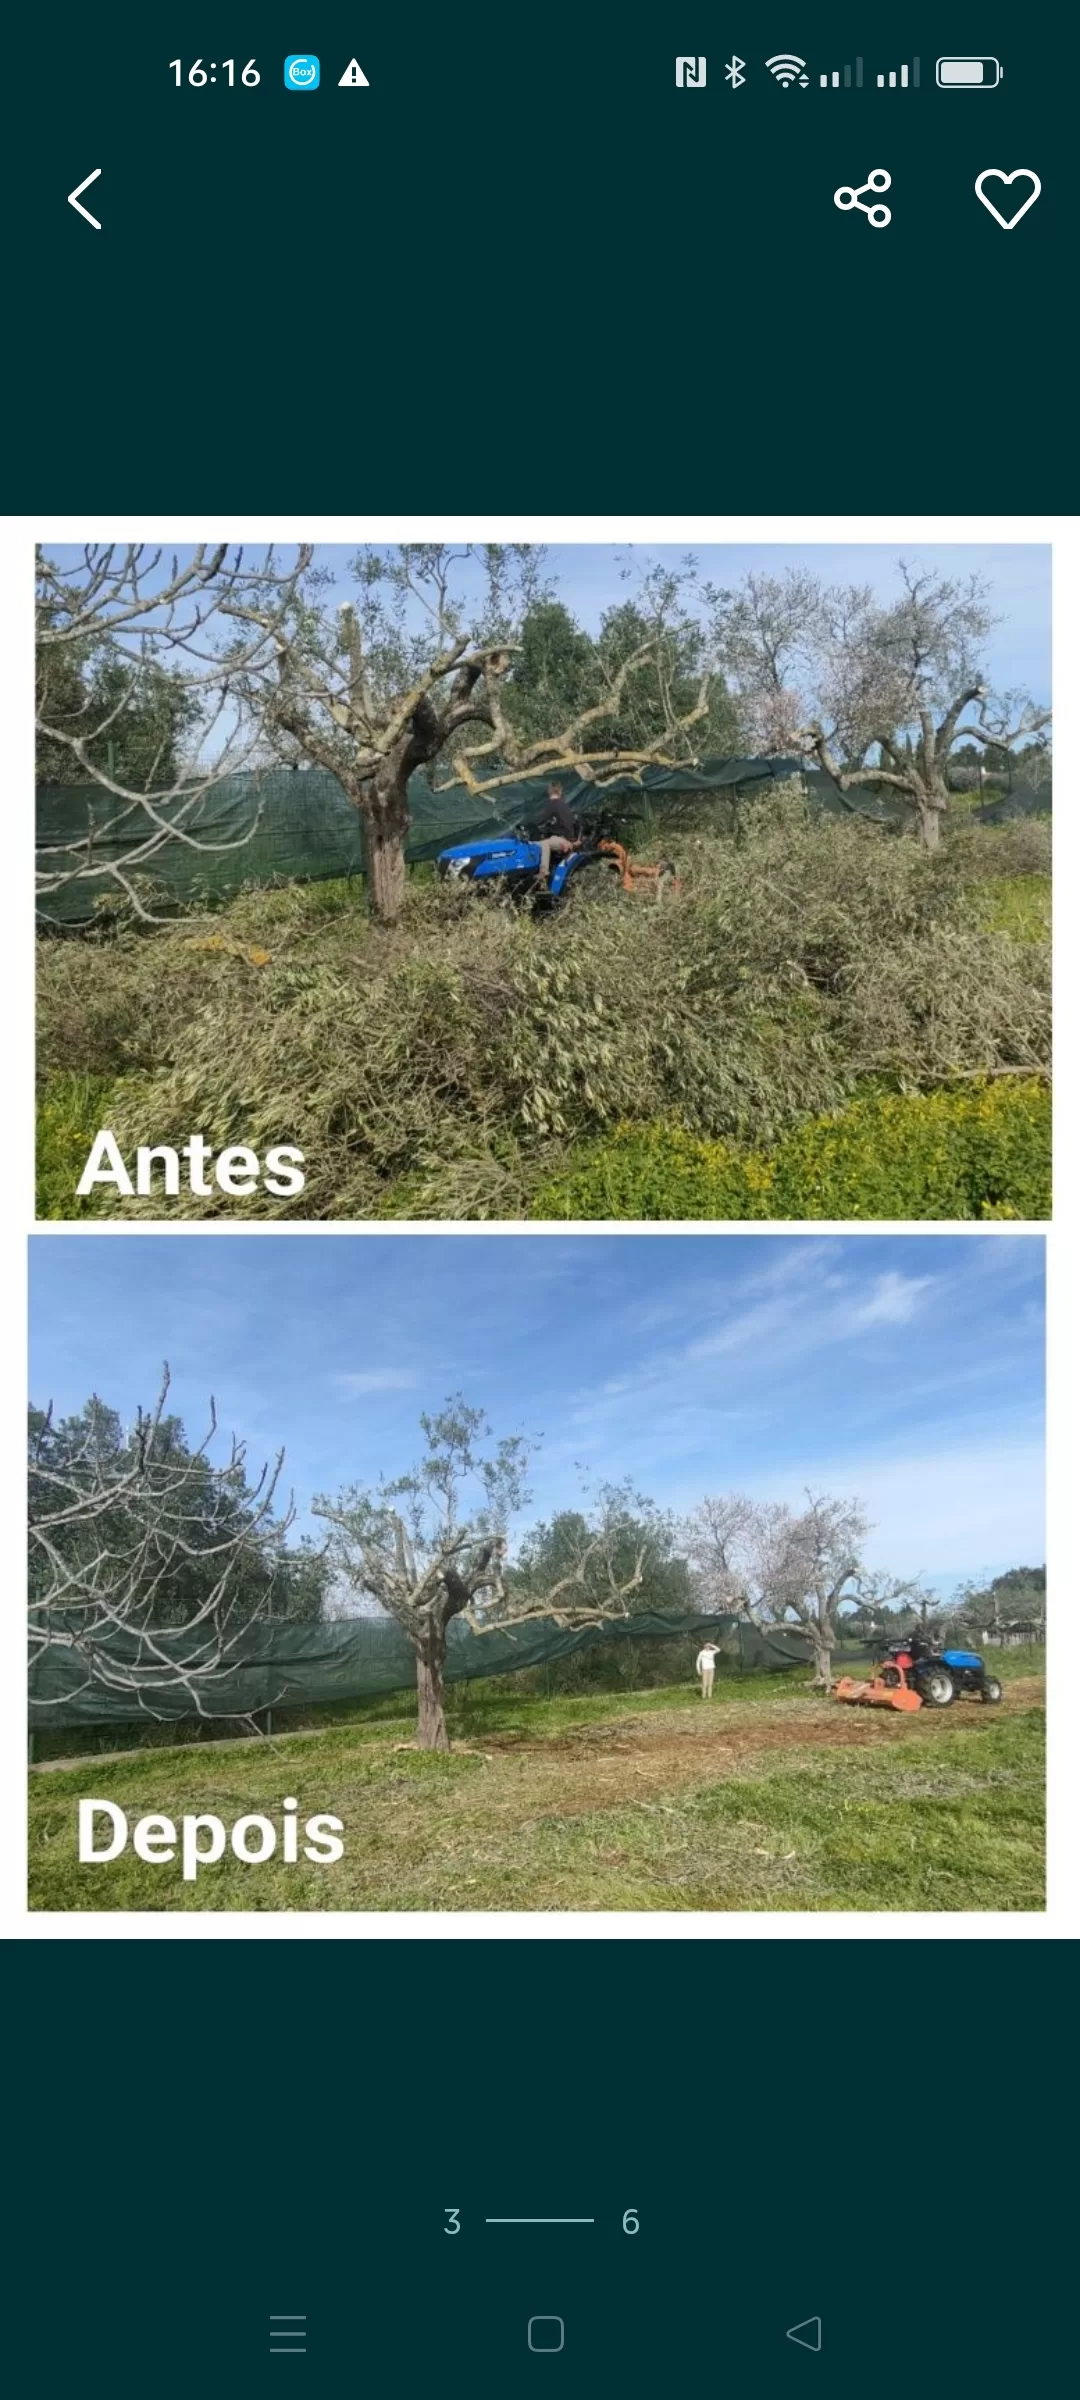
{"x": 303, "y": 1666}
{"x": 277, "y": 826}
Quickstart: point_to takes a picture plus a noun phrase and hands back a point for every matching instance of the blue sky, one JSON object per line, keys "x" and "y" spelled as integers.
{"x": 589, "y": 578}
{"x": 904, "y": 1370}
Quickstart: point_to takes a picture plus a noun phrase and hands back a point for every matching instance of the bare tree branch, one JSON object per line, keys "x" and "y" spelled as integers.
{"x": 120, "y": 604}
{"x": 110, "y": 1540}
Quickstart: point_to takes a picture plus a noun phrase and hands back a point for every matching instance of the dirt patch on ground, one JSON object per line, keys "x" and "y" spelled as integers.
{"x": 600, "y": 1766}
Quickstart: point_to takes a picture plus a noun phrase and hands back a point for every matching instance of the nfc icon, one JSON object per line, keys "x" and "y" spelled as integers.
{"x": 690, "y": 73}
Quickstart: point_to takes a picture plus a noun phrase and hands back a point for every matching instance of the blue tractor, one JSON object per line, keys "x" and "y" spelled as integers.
{"x": 941, "y": 1676}
{"x": 506, "y": 867}
{"x": 915, "y": 1674}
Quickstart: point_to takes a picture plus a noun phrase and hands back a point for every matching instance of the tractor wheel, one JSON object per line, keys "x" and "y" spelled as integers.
{"x": 991, "y": 1689}
{"x": 937, "y": 1689}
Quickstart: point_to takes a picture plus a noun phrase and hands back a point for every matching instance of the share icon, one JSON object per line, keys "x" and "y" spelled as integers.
{"x": 850, "y": 196}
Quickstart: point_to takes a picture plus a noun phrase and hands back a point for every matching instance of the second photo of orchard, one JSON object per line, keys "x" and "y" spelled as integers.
{"x": 557, "y": 1572}
{"x": 419, "y": 882}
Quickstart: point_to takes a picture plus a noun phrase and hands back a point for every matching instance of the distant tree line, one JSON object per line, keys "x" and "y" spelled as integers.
{"x": 136, "y": 1533}
{"x": 1011, "y": 1606}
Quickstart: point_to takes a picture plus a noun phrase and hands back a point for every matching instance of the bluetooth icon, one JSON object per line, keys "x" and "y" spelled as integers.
{"x": 734, "y": 73}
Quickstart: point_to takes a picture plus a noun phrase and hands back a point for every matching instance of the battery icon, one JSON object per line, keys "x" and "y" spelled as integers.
{"x": 968, "y": 74}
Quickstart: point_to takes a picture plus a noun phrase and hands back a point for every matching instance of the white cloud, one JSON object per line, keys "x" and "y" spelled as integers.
{"x": 809, "y": 1307}
{"x": 893, "y": 1300}
{"x": 377, "y": 1379}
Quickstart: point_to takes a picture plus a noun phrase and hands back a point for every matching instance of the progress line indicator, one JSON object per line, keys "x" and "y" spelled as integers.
{"x": 539, "y": 2220}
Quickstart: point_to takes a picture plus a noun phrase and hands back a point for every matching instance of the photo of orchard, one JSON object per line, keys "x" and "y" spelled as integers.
{"x": 565, "y": 883}
{"x": 705, "y": 1589}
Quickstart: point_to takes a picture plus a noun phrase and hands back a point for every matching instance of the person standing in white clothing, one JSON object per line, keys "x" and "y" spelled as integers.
{"x": 705, "y": 1666}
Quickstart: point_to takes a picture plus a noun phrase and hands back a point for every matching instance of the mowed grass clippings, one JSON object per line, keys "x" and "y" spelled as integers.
{"x": 763, "y": 1800}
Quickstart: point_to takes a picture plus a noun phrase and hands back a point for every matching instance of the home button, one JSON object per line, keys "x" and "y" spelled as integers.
{"x": 546, "y": 2333}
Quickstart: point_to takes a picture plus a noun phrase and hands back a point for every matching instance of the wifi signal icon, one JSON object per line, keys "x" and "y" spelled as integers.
{"x": 787, "y": 68}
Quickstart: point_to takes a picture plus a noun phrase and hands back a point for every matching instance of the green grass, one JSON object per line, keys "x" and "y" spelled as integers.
{"x": 1013, "y": 1666}
{"x": 981, "y": 1151}
{"x": 771, "y": 1798}
{"x": 1018, "y": 904}
{"x": 71, "y": 1111}
{"x": 508, "y": 1704}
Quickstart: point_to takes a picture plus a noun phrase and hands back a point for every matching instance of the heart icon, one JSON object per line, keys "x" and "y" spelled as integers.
{"x": 998, "y": 175}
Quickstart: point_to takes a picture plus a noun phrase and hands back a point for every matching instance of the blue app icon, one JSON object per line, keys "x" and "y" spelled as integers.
{"x": 302, "y": 73}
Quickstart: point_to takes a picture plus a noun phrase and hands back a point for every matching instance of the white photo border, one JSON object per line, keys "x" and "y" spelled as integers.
{"x": 1061, "y": 1919}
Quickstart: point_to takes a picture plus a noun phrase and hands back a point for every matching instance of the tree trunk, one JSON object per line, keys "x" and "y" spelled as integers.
{"x": 930, "y": 815}
{"x": 385, "y": 862}
{"x": 385, "y": 807}
{"x": 822, "y": 1680}
{"x": 431, "y": 1733}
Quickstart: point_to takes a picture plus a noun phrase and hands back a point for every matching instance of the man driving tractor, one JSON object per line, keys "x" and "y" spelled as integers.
{"x": 558, "y": 829}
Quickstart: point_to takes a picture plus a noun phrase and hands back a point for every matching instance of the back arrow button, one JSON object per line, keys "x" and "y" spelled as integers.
{"x": 75, "y": 202}
{"x": 808, "y": 2334}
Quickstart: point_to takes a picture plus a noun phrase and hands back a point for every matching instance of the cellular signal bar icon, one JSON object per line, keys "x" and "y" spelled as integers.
{"x": 899, "y": 75}
{"x": 833, "y": 78}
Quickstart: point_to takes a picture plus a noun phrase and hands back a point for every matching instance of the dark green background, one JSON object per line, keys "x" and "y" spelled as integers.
{"x": 869, "y": 2132}
{"x": 524, "y": 271}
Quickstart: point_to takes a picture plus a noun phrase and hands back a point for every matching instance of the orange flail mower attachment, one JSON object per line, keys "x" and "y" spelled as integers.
{"x": 889, "y": 1688}
{"x": 659, "y": 882}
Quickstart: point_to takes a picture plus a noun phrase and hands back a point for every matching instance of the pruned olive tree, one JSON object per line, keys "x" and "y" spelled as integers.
{"x": 878, "y": 692}
{"x": 417, "y": 668}
{"x": 780, "y": 1566}
{"x": 147, "y": 689}
{"x": 435, "y": 1543}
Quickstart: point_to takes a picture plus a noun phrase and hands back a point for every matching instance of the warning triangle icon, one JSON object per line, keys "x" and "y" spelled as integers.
{"x": 354, "y": 74}
{"x": 808, "y": 2334}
